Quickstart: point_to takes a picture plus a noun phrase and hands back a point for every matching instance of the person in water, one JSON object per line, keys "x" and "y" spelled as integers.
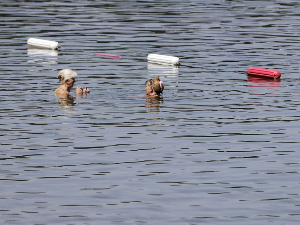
{"x": 154, "y": 87}
{"x": 67, "y": 79}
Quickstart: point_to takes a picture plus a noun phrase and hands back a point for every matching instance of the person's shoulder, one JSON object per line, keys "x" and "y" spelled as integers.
{"x": 59, "y": 91}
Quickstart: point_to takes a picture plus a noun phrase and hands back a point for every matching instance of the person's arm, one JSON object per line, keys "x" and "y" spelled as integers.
{"x": 81, "y": 90}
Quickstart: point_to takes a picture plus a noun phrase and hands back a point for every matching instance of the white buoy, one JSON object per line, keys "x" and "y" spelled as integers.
{"x": 163, "y": 59}
{"x": 43, "y": 43}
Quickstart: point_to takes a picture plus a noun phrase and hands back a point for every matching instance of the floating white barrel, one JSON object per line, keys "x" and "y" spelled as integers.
{"x": 43, "y": 43}
{"x": 163, "y": 59}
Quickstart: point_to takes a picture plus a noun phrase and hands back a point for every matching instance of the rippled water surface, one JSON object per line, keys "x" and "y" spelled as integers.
{"x": 218, "y": 148}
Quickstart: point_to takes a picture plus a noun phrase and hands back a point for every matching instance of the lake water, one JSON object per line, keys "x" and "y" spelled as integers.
{"x": 217, "y": 148}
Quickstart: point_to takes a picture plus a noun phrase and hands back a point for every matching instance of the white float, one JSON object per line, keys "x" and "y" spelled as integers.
{"x": 163, "y": 59}
{"x": 43, "y": 43}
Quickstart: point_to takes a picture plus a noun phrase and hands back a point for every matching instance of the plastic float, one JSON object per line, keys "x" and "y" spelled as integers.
{"x": 163, "y": 59}
{"x": 40, "y": 43}
{"x": 265, "y": 73}
{"x": 108, "y": 55}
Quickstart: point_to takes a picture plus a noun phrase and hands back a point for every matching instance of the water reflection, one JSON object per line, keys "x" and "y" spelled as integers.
{"x": 166, "y": 73}
{"x": 41, "y": 52}
{"x": 263, "y": 86}
{"x": 153, "y": 103}
{"x": 42, "y": 56}
{"x": 65, "y": 100}
{"x": 262, "y": 82}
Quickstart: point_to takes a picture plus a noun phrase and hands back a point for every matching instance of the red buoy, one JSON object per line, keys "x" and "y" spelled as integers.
{"x": 108, "y": 55}
{"x": 261, "y": 72}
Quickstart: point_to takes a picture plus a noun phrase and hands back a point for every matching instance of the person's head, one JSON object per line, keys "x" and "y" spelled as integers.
{"x": 67, "y": 76}
{"x": 154, "y": 87}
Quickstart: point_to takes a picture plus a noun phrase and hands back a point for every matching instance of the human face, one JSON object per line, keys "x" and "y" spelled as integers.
{"x": 71, "y": 82}
{"x": 149, "y": 90}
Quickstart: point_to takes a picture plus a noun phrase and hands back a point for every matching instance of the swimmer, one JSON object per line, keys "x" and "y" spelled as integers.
{"x": 67, "y": 79}
{"x": 154, "y": 87}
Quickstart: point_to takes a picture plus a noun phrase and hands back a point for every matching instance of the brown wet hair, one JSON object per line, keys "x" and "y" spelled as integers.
{"x": 156, "y": 84}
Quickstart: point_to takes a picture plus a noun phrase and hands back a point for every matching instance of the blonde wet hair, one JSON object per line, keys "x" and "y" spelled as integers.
{"x": 66, "y": 74}
{"x": 156, "y": 84}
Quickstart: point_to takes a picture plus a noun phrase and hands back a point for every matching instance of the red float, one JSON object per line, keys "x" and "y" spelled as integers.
{"x": 108, "y": 55}
{"x": 266, "y": 73}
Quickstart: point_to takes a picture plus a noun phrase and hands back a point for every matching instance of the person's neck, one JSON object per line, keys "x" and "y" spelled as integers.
{"x": 65, "y": 87}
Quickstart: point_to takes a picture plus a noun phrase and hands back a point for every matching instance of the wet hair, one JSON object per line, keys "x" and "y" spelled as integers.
{"x": 156, "y": 84}
{"x": 66, "y": 74}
